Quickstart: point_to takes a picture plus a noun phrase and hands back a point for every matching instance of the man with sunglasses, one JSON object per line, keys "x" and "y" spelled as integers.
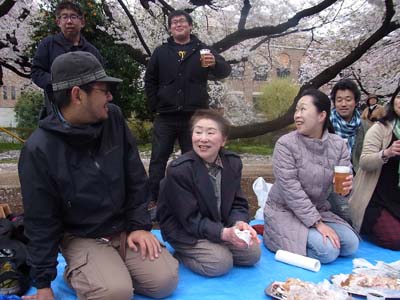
{"x": 85, "y": 192}
{"x": 70, "y": 20}
{"x": 176, "y": 86}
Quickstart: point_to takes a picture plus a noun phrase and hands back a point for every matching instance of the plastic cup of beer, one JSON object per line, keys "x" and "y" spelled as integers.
{"x": 341, "y": 172}
{"x": 203, "y": 52}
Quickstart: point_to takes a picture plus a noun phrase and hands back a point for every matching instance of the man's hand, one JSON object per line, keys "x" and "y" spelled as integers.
{"x": 209, "y": 60}
{"x": 41, "y": 294}
{"x": 145, "y": 241}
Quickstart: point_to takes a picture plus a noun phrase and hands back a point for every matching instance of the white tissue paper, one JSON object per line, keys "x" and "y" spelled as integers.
{"x": 297, "y": 260}
{"x": 244, "y": 235}
{"x": 261, "y": 188}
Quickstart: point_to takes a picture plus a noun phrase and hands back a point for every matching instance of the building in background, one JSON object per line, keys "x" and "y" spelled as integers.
{"x": 12, "y": 87}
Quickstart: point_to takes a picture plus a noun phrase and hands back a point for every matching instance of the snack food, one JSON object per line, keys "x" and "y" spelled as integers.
{"x": 296, "y": 289}
{"x": 362, "y": 284}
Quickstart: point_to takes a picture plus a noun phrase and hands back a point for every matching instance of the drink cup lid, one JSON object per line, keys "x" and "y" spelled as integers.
{"x": 204, "y": 51}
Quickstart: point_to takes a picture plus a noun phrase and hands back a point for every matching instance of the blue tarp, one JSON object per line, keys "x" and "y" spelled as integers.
{"x": 244, "y": 283}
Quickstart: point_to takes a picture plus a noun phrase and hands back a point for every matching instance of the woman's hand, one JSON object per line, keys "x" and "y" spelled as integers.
{"x": 328, "y": 232}
{"x": 229, "y": 235}
{"x": 347, "y": 185}
{"x": 393, "y": 150}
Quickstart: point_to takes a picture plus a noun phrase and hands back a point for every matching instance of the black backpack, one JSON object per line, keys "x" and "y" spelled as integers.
{"x": 14, "y": 271}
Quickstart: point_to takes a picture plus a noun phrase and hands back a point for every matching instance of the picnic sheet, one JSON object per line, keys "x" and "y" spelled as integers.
{"x": 244, "y": 283}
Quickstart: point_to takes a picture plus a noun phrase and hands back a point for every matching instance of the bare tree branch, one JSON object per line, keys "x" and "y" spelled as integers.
{"x": 133, "y": 22}
{"x": 322, "y": 78}
{"x": 244, "y": 14}
{"x": 14, "y": 69}
{"x": 245, "y": 34}
{"x": 168, "y": 7}
{"x": 6, "y": 6}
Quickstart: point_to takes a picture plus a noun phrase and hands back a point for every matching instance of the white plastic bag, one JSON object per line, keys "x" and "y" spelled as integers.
{"x": 261, "y": 188}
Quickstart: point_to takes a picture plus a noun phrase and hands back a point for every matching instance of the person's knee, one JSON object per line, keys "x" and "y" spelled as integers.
{"x": 349, "y": 245}
{"x": 161, "y": 286}
{"x": 325, "y": 253}
{"x": 111, "y": 291}
{"x": 218, "y": 263}
{"x": 392, "y": 243}
{"x": 249, "y": 257}
{"x": 161, "y": 282}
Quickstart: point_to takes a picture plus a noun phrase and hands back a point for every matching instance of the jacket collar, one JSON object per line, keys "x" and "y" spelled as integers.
{"x": 206, "y": 189}
{"x": 60, "y": 39}
{"x": 78, "y": 135}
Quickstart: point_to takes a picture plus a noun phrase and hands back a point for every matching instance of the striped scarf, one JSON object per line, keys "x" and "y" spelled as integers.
{"x": 346, "y": 130}
{"x": 396, "y": 132}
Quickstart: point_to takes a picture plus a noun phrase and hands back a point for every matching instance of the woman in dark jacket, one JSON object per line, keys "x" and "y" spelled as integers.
{"x": 202, "y": 210}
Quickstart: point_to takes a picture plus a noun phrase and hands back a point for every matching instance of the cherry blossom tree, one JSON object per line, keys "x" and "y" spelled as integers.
{"x": 340, "y": 38}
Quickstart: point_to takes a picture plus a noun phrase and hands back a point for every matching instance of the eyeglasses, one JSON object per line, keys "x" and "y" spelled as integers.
{"x": 180, "y": 21}
{"x": 105, "y": 91}
{"x": 72, "y": 17}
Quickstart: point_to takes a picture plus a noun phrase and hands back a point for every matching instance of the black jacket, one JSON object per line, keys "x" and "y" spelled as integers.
{"x": 187, "y": 206}
{"x": 174, "y": 85}
{"x": 88, "y": 181}
{"x": 48, "y": 50}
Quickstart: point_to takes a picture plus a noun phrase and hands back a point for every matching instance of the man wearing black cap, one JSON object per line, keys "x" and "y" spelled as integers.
{"x": 85, "y": 191}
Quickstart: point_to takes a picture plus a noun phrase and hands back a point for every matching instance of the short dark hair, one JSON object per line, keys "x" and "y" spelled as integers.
{"x": 390, "y": 112}
{"x": 346, "y": 84}
{"x": 63, "y": 97}
{"x": 214, "y": 115}
{"x": 177, "y": 13}
{"x": 69, "y": 5}
{"x": 322, "y": 103}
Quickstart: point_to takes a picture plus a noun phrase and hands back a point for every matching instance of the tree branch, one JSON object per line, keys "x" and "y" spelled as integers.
{"x": 322, "y": 78}
{"x": 244, "y": 14}
{"x": 245, "y": 34}
{"x": 133, "y": 22}
{"x": 6, "y": 6}
{"x": 14, "y": 69}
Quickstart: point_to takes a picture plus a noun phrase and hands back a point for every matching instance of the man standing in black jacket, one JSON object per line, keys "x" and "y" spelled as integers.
{"x": 70, "y": 20}
{"x": 85, "y": 191}
{"x": 176, "y": 85}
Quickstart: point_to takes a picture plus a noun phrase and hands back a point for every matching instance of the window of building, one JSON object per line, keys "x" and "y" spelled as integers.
{"x": 13, "y": 93}
{"x": 260, "y": 73}
{"x": 282, "y": 72}
{"x": 5, "y": 96}
{"x": 237, "y": 71}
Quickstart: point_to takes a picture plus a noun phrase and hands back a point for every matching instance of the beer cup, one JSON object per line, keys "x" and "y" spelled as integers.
{"x": 203, "y": 52}
{"x": 341, "y": 172}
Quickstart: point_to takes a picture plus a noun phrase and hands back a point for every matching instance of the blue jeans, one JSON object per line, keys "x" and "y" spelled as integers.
{"x": 326, "y": 252}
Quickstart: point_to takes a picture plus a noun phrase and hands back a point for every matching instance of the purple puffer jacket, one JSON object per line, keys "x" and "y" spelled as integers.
{"x": 303, "y": 170}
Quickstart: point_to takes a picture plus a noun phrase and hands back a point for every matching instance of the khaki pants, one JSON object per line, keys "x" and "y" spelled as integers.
{"x": 96, "y": 271}
{"x": 212, "y": 259}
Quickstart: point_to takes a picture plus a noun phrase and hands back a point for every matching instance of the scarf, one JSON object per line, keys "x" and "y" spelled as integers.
{"x": 346, "y": 130}
{"x": 396, "y": 131}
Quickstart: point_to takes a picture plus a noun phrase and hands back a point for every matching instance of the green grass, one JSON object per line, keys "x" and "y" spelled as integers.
{"x": 10, "y": 146}
{"x": 240, "y": 147}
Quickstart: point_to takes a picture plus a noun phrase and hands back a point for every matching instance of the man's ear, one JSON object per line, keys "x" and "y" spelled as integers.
{"x": 76, "y": 95}
{"x": 322, "y": 116}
